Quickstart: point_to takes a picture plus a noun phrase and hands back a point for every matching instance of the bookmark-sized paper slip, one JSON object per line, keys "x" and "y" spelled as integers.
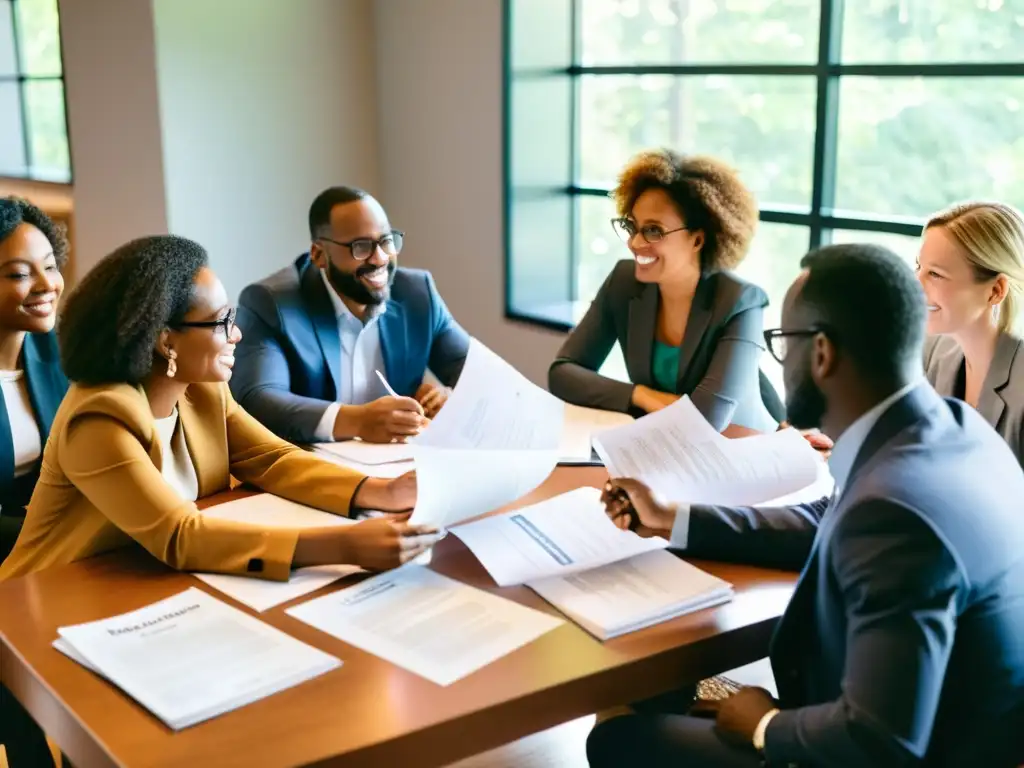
{"x": 191, "y": 657}
{"x": 271, "y": 511}
{"x": 559, "y": 536}
{"x": 424, "y": 622}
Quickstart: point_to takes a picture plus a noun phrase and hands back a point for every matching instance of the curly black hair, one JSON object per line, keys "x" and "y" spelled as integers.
{"x": 17, "y": 210}
{"x": 843, "y": 281}
{"x": 112, "y": 319}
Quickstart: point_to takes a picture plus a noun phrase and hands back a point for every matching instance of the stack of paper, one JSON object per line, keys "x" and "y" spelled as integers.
{"x": 388, "y": 460}
{"x": 191, "y": 657}
{"x": 272, "y": 511}
{"x": 427, "y": 623}
{"x": 632, "y": 594}
{"x": 580, "y": 427}
{"x": 682, "y": 458}
{"x": 496, "y": 438}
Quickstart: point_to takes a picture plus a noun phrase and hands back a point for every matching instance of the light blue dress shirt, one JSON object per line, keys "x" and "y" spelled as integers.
{"x": 361, "y": 356}
{"x": 840, "y": 463}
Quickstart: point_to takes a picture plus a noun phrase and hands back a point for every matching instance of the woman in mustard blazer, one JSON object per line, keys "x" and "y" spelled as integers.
{"x": 149, "y": 426}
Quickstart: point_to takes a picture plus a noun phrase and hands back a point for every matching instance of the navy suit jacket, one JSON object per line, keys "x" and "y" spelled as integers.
{"x": 904, "y": 641}
{"x": 288, "y": 364}
{"x": 47, "y": 386}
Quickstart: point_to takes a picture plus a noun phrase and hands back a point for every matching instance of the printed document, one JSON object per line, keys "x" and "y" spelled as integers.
{"x": 632, "y": 594}
{"x": 426, "y": 623}
{"x": 271, "y": 511}
{"x": 562, "y": 535}
{"x": 191, "y": 657}
{"x": 681, "y": 457}
{"x": 496, "y": 438}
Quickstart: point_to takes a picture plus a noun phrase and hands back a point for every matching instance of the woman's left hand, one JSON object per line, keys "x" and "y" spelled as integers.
{"x": 397, "y": 495}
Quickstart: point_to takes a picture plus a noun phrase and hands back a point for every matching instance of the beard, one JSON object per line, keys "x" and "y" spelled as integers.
{"x": 349, "y": 285}
{"x": 806, "y": 404}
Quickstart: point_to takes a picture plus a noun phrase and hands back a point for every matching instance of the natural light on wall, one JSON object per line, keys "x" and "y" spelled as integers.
{"x": 851, "y": 121}
{"x": 33, "y": 126}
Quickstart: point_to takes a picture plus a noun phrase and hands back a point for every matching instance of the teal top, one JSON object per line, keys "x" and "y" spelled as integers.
{"x": 665, "y": 367}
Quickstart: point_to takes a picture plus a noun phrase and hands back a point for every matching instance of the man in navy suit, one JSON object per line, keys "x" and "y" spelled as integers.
{"x": 315, "y": 334}
{"x": 903, "y": 643}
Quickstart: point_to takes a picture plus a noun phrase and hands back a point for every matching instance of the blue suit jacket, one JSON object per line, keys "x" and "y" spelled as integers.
{"x": 904, "y": 640}
{"x": 287, "y": 367}
{"x": 47, "y": 386}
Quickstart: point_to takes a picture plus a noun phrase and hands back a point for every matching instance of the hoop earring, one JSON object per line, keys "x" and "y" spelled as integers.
{"x": 172, "y": 364}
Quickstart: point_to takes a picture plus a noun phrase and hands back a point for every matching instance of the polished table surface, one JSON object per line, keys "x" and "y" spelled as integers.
{"x": 368, "y": 712}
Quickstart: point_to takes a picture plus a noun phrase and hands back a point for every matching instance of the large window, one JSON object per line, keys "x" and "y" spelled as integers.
{"x": 851, "y": 121}
{"x": 33, "y": 127}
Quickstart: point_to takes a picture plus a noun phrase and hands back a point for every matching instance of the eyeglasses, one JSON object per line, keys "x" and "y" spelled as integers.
{"x": 364, "y": 247}
{"x": 626, "y": 229}
{"x": 227, "y": 323}
{"x": 776, "y": 338}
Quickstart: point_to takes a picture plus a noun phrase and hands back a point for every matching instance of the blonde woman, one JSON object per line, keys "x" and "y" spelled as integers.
{"x": 971, "y": 266}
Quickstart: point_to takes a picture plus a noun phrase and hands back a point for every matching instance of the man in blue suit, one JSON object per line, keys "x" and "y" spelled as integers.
{"x": 315, "y": 334}
{"x": 903, "y": 643}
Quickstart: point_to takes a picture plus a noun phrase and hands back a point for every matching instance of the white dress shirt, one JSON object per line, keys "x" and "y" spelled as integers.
{"x": 361, "y": 356}
{"x": 24, "y": 429}
{"x": 178, "y": 470}
{"x": 840, "y": 463}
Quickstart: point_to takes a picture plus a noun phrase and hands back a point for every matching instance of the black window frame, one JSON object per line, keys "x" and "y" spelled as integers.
{"x": 821, "y": 219}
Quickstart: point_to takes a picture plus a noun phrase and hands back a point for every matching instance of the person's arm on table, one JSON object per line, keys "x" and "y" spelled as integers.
{"x": 770, "y": 537}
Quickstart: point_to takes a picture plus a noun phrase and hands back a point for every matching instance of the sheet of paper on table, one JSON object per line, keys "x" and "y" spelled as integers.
{"x": 562, "y": 535}
{"x": 496, "y": 438}
{"x": 580, "y": 427}
{"x": 424, "y": 622}
{"x": 370, "y": 454}
{"x": 389, "y": 470}
{"x": 272, "y": 511}
{"x": 190, "y": 657}
{"x": 681, "y": 457}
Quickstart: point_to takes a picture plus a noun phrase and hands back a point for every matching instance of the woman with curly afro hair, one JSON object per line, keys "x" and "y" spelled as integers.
{"x": 149, "y": 426}
{"x": 685, "y": 323}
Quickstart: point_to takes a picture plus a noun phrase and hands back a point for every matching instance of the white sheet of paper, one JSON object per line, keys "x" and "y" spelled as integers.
{"x": 389, "y": 471}
{"x": 628, "y": 595}
{"x": 681, "y": 457}
{"x": 191, "y": 657}
{"x": 580, "y": 426}
{"x": 274, "y": 512}
{"x": 371, "y": 454}
{"x": 558, "y": 536}
{"x": 494, "y": 407}
{"x": 453, "y": 485}
{"x": 426, "y": 623}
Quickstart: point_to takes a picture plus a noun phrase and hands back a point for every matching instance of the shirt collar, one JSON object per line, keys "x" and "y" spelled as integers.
{"x": 845, "y": 451}
{"x": 341, "y": 311}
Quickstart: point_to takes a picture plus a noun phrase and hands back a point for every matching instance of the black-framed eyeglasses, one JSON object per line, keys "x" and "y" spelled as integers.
{"x": 364, "y": 247}
{"x": 626, "y": 229}
{"x": 776, "y": 338}
{"x": 226, "y": 323}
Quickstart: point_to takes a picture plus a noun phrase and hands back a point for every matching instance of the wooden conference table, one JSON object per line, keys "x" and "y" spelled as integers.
{"x": 369, "y": 712}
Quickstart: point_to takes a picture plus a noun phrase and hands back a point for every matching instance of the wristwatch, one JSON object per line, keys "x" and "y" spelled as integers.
{"x": 762, "y": 726}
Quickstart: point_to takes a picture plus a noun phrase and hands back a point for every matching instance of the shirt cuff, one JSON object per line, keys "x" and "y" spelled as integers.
{"x": 681, "y": 527}
{"x": 325, "y": 429}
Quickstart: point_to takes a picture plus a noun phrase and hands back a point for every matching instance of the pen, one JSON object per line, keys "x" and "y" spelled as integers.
{"x": 385, "y": 383}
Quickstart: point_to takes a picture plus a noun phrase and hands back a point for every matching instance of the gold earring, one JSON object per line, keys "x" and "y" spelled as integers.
{"x": 172, "y": 364}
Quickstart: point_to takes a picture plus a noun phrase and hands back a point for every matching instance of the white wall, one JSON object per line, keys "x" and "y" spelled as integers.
{"x": 114, "y": 125}
{"x": 439, "y": 73}
{"x": 263, "y": 104}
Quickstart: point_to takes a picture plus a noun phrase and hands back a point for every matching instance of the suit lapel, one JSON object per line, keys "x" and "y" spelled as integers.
{"x": 6, "y": 446}
{"x": 325, "y": 322}
{"x": 991, "y": 404}
{"x": 643, "y": 319}
{"x": 696, "y": 327}
{"x": 209, "y": 464}
{"x": 46, "y": 382}
{"x": 393, "y": 343}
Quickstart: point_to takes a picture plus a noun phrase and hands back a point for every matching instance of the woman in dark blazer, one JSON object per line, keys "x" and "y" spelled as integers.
{"x": 971, "y": 266}
{"x": 32, "y": 252}
{"x": 686, "y": 325}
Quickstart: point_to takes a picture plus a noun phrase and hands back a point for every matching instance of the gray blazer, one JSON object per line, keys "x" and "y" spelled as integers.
{"x": 718, "y": 359}
{"x": 1002, "y": 393}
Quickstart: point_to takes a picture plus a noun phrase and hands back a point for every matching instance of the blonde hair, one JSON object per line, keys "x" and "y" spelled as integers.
{"x": 992, "y": 237}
